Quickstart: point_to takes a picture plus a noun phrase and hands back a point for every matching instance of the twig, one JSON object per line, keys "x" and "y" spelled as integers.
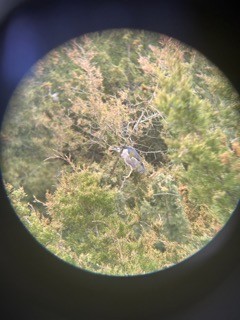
{"x": 39, "y": 201}
{"x": 125, "y": 178}
{"x": 146, "y": 152}
{"x": 135, "y": 127}
{"x": 114, "y": 166}
{"x": 164, "y": 193}
{"x": 123, "y": 182}
{"x": 61, "y": 156}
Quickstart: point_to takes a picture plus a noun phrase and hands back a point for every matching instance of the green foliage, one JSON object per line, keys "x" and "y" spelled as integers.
{"x": 45, "y": 232}
{"x": 79, "y": 198}
{"x": 123, "y": 87}
{"x": 201, "y": 120}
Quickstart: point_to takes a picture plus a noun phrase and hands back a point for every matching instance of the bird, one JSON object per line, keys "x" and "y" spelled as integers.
{"x": 131, "y": 157}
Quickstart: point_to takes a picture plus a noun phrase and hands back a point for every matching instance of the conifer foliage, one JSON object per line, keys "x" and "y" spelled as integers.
{"x": 116, "y": 88}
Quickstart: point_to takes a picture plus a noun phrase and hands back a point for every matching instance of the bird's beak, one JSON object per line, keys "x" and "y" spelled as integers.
{"x": 111, "y": 149}
{"x": 116, "y": 149}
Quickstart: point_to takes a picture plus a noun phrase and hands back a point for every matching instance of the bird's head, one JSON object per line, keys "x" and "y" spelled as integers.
{"x": 117, "y": 149}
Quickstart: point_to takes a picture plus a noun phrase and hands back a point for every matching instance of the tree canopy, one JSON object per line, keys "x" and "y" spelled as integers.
{"x": 115, "y": 88}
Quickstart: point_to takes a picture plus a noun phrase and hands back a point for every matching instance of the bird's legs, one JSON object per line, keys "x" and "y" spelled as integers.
{"x": 131, "y": 170}
{"x": 125, "y": 178}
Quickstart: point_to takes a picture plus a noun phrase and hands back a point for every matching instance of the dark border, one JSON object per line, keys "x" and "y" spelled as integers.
{"x": 36, "y": 284}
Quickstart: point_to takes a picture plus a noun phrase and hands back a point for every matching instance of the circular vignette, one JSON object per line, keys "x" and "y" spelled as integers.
{"x": 121, "y": 151}
{"x": 226, "y": 251}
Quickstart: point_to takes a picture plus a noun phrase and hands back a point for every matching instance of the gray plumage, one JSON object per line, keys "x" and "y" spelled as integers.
{"x": 131, "y": 157}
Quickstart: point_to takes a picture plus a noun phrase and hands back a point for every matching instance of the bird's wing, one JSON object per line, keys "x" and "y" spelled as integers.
{"x": 133, "y": 153}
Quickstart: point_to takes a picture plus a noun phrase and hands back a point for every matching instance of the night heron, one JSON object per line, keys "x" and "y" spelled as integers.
{"x": 131, "y": 158}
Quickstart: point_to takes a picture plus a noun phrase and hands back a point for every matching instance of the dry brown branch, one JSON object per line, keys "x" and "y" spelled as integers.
{"x": 148, "y": 152}
{"x": 39, "y": 201}
{"x": 138, "y": 121}
{"x": 61, "y": 156}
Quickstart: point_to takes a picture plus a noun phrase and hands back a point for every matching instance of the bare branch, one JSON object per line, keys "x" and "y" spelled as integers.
{"x": 139, "y": 120}
{"x": 39, "y": 201}
{"x": 61, "y": 156}
{"x": 147, "y": 152}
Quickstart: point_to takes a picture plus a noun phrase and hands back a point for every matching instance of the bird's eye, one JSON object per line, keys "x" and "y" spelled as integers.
{"x": 125, "y": 210}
